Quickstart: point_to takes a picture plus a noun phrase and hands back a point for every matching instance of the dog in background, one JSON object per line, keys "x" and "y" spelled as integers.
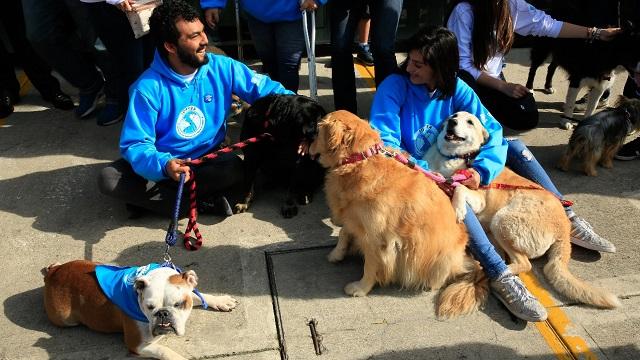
{"x": 521, "y": 218}
{"x": 398, "y": 219}
{"x": 154, "y": 301}
{"x": 598, "y": 138}
{"x": 292, "y": 120}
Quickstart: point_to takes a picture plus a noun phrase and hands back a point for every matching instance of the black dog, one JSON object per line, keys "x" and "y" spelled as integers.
{"x": 592, "y": 61}
{"x": 598, "y": 138}
{"x": 292, "y": 121}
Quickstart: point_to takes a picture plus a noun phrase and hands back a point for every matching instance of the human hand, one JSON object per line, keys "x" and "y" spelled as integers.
{"x": 125, "y": 5}
{"x": 175, "y": 167}
{"x": 609, "y": 34}
{"x": 515, "y": 91}
{"x": 308, "y": 5}
{"x": 473, "y": 182}
{"x": 212, "y": 16}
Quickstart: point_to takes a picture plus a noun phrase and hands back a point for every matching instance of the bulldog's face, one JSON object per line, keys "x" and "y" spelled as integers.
{"x": 462, "y": 133}
{"x": 165, "y": 299}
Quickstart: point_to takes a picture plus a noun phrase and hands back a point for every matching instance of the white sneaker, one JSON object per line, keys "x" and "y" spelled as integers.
{"x": 582, "y": 234}
{"x": 510, "y": 290}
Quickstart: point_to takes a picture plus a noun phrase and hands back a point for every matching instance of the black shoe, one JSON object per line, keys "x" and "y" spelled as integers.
{"x": 630, "y": 151}
{"x": 61, "y": 101}
{"x": 219, "y": 206}
{"x": 364, "y": 54}
{"x": 6, "y": 103}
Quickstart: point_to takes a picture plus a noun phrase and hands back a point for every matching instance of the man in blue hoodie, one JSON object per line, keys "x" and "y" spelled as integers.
{"x": 177, "y": 111}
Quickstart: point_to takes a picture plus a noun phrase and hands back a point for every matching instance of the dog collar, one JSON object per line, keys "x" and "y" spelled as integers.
{"x": 468, "y": 157}
{"x": 359, "y": 156}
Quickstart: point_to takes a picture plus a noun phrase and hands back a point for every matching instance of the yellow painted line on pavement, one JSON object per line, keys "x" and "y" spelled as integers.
{"x": 555, "y": 330}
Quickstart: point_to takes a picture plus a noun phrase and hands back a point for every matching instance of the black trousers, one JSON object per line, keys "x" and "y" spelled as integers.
{"x": 36, "y": 69}
{"x": 516, "y": 114}
{"x": 220, "y": 176}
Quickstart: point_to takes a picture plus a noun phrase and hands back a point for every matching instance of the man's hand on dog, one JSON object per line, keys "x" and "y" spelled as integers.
{"x": 175, "y": 167}
{"x": 473, "y": 182}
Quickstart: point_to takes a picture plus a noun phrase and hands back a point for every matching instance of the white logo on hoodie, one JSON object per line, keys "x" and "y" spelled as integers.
{"x": 190, "y": 122}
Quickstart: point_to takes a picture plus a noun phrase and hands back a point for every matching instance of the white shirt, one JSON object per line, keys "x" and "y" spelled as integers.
{"x": 527, "y": 20}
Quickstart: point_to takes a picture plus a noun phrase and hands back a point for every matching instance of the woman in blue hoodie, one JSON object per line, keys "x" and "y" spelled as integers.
{"x": 276, "y": 30}
{"x": 408, "y": 110}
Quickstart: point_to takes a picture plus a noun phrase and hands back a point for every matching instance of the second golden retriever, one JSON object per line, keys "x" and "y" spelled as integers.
{"x": 398, "y": 219}
{"x": 526, "y": 223}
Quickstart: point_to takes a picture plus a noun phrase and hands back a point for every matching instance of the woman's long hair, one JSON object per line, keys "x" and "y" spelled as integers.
{"x": 492, "y": 30}
{"x": 439, "y": 48}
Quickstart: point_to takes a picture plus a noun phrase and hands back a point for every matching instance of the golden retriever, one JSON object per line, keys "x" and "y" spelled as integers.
{"x": 526, "y": 223}
{"x": 397, "y": 218}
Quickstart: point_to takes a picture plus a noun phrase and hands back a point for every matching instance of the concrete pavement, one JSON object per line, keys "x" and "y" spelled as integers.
{"x": 50, "y": 210}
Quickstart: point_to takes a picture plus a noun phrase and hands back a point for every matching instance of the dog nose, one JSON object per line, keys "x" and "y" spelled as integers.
{"x": 162, "y": 314}
{"x": 451, "y": 124}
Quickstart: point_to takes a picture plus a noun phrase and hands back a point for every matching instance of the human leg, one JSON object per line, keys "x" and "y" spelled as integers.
{"x": 507, "y": 287}
{"x": 344, "y": 18}
{"x": 521, "y": 160}
{"x": 363, "y": 51}
{"x": 289, "y": 47}
{"x": 385, "y": 16}
{"x": 517, "y": 114}
{"x": 264, "y": 40}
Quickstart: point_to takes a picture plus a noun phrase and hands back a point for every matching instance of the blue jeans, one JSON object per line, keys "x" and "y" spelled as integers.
{"x": 61, "y": 32}
{"x": 344, "y": 17}
{"x": 130, "y": 56}
{"x": 522, "y": 162}
{"x": 279, "y": 46}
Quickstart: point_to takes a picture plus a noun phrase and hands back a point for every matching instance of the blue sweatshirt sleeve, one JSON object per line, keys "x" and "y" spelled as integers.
{"x": 493, "y": 154}
{"x": 138, "y": 137}
{"x": 385, "y": 114}
{"x": 250, "y": 85}
{"x": 209, "y": 4}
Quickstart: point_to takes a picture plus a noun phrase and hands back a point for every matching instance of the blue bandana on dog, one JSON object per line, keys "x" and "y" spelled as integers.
{"x": 117, "y": 284}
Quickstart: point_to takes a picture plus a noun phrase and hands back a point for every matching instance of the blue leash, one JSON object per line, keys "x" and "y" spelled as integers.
{"x": 172, "y": 237}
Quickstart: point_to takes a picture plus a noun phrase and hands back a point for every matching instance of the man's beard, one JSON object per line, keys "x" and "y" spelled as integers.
{"x": 191, "y": 59}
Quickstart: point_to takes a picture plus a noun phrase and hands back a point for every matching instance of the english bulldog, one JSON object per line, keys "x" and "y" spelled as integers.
{"x": 142, "y": 302}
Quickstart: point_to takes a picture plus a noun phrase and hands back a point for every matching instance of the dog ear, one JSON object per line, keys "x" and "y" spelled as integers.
{"x": 140, "y": 284}
{"x": 190, "y": 278}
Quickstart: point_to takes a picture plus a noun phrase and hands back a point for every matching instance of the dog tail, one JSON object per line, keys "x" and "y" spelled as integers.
{"x": 557, "y": 272}
{"x": 468, "y": 293}
{"x": 46, "y": 270}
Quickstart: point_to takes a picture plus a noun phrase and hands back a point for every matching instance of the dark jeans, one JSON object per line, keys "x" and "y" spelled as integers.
{"x": 344, "y": 18}
{"x": 130, "y": 56}
{"x": 516, "y": 114}
{"x": 61, "y": 32}
{"x": 279, "y": 46}
{"x": 220, "y": 176}
{"x": 38, "y": 71}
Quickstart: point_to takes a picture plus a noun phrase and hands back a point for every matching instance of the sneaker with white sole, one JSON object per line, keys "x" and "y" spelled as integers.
{"x": 510, "y": 290}
{"x": 629, "y": 151}
{"x": 582, "y": 234}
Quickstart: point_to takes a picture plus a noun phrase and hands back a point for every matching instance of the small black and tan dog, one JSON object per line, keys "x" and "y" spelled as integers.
{"x": 597, "y": 138}
{"x": 292, "y": 120}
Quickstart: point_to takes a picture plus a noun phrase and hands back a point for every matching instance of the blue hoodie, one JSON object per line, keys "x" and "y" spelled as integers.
{"x": 267, "y": 11}
{"x": 408, "y": 118}
{"x": 170, "y": 118}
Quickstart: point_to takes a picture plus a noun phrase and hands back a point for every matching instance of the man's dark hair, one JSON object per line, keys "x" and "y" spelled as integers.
{"x": 163, "y": 22}
{"x": 439, "y": 48}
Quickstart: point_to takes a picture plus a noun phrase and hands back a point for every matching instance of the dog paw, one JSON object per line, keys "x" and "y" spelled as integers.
{"x": 240, "y": 208}
{"x": 222, "y": 303}
{"x": 336, "y": 255}
{"x": 461, "y": 212}
{"x": 566, "y": 124}
{"x": 356, "y": 289}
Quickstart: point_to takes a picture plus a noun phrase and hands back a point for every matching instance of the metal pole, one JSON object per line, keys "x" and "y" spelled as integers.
{"x": 238, "y": 30}
{"x": 310, "y": 42}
